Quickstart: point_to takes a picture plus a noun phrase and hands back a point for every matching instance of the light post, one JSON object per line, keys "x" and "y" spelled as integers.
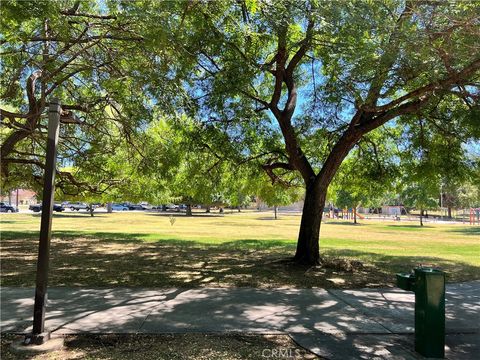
{"x": 441, "y": 200}
{"x": 39, "y": 335}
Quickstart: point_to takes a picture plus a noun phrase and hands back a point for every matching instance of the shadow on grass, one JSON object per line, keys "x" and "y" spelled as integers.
{"x": 67, "y": 234}
{"x": 474, "y": 230}
{"x": 389, "y": 265}
{"x": 139, "y": 238}
{"x": 268, "y": 218}
{"x": 78, "y": 215}
{"x": 182, "y": 214}
{"x": 258, "y": 244}
{"x": 100, "y": 259}
{"x": 342, "y": 222}
{"x": 416, "y": 227}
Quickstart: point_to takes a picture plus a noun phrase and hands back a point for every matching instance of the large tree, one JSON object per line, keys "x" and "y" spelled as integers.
{"x": 322, "y": 74}
{"x": 304, "y": 81}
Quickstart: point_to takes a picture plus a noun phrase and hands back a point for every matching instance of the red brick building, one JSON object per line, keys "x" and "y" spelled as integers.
{"x": 20, "y": 197}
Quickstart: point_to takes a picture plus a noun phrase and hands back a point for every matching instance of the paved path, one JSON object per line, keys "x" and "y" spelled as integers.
{"x": 337, "y": 324}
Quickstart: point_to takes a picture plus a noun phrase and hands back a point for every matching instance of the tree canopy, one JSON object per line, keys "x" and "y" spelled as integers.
{"x": 291, "y": 86}
{"x": 86, "y": 54}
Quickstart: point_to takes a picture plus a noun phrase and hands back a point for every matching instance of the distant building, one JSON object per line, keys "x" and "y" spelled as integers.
{"x": 393, "y": 210}
{"x": 259, "y": 204}
{"x": 363, "y": 210}
{"x": 21, "y": 197}
{"x": 296, "y": 206}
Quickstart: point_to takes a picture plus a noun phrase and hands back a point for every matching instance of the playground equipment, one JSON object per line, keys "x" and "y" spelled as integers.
{"x": 360, "y": 216}
{"x": 347, "y": 214}
{"x": 474, "y": 216}
{"x": 350, "y": 214}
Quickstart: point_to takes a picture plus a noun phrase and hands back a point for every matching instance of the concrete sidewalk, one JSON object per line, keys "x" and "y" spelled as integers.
{"x": 336, "y": 324}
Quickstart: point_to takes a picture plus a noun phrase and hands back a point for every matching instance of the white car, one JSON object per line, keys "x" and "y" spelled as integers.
{"x": 119, "y": 207}
{"x": 78, "y": 206}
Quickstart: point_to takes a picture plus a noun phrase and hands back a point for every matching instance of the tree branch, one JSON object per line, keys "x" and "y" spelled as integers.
{"x": 257, "y": 99}
{"x": 104, "y": 17}
{"x": 388, "y": 58}
{"x": 31, "y": 81}
{"x": 86, "y": 39}
{"x": 271, "y": 174}
{"x": 280, "y": 60}
{"x": 73, "y": 73}
{"x": 456, "y": 78}
{"x": 304, "y": 47}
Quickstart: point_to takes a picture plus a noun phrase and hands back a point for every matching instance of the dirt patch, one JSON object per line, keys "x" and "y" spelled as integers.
{"x": 168, "y": 347}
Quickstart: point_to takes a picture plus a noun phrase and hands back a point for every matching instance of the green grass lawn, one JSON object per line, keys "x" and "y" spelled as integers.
{"x": 237, "y": 249}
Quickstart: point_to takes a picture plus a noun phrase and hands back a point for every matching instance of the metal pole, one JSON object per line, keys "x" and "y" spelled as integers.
{"x": 38, "y": 334}
{"x": 441, "y": 201}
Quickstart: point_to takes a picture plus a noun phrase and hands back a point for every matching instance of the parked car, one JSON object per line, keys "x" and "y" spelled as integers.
{"x": 7, "y": 208}
{"x": 119, "y": 207}
{"x": 78, "y": 206}
{"x": 172, "y": 207}
{"x": 58, "y": 207}
{"x": 136, "y": 207}
{"x": 146, "y": 206}
{"x": 35, "y": 207}
{"x": 38, "y": 207}
{"x": 159, "y": 207}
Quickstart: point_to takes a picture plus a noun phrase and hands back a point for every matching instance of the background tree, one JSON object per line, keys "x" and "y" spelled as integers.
{"x": 185, "y": 161}
{"x": 437, "y": 152}
{"x": 421, "y": 196}
{"x": 356, "y": 67}
{"x": 275, "y": 195}
{"x": 368, "y": 173}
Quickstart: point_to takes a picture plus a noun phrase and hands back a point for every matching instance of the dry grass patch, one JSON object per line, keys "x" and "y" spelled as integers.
{"x": 167, "y": 346}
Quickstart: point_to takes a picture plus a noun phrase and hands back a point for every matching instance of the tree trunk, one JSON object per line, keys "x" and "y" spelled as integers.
{"x": 308, "y": 250}
{"x": 207, "y": 210}
{"x": 238, "y": 208}
{"x": 354, "y": 215}
{"x": 275, "y": 208}
{"x": 189, "y": 210}
{"x": 449, "y": 209}
{"x": 109, "y": 207}
{"x": 91, "y": 210}
{"x": 421, "y": 217}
